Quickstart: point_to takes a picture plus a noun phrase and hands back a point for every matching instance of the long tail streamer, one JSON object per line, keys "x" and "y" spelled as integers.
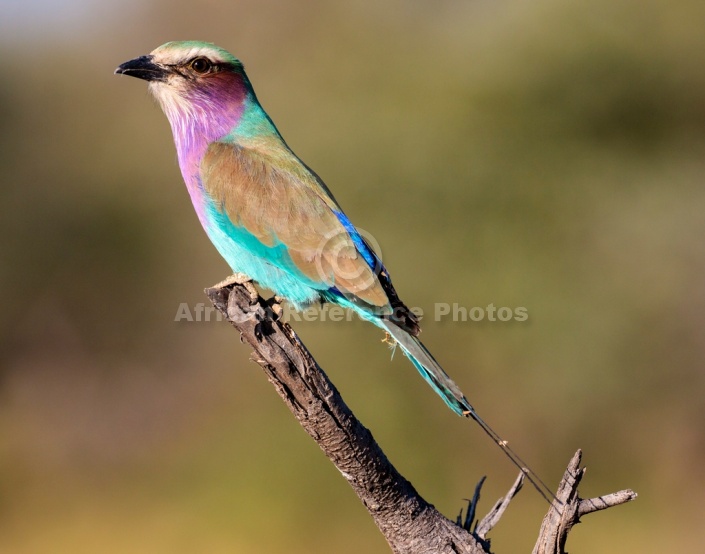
{"x": 439, "y": 380}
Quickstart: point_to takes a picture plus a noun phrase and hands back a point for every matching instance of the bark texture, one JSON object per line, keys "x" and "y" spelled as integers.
{"x": 409, "y": 523}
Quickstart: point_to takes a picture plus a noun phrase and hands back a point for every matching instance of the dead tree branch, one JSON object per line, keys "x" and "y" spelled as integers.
{"x": 557, "y": 523}
{"x": 409, "y": 523}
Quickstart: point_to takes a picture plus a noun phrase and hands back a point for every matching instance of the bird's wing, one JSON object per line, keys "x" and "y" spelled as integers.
{"x": 275, "y": 198}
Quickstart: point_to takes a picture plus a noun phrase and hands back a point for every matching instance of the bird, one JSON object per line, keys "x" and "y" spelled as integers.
{"x": 269, "y": 215}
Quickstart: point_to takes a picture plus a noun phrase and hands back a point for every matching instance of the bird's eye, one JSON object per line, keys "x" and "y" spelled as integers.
{"x": 201, "y": 65}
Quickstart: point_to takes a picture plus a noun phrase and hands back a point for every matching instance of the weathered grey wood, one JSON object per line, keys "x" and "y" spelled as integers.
{"x": 409, "y": 523}
{"x": 492, "y": 518}
{"x": 570, "y": 507}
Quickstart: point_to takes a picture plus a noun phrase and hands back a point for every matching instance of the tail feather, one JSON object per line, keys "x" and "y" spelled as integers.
{"x": 451, "y": 394}
{"x": 429, "y": 368}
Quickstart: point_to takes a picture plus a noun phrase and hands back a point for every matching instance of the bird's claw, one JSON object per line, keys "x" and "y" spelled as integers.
{"x": 240, "y": 279}
{"x": 234, "y": 279}
{"x": 275, "y": 307}
{"x": 252, "y": 291}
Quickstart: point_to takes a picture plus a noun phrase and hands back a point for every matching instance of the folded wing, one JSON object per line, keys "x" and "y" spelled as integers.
{"x": 279, "y": 201}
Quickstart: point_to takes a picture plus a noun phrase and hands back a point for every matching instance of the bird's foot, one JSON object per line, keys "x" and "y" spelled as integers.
{"x": 234, "y": 279}
{"x": 240, "y": 279}
{"x": 275, "y": 306}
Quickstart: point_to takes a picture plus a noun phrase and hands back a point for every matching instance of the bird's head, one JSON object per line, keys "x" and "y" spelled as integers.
{"x": 194, "y": 82}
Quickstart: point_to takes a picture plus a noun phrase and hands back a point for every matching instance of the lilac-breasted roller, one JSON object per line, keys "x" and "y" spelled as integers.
{"x": 268, "y": 214}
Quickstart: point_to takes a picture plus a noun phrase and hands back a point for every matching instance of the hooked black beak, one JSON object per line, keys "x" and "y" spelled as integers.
{"x": 143, "y": 68}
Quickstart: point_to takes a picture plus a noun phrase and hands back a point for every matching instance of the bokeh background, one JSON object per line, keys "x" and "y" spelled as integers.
{"x": 546, "y": 155}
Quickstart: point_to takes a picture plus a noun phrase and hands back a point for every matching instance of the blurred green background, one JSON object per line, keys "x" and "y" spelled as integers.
{"x": 548, "y": 155}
